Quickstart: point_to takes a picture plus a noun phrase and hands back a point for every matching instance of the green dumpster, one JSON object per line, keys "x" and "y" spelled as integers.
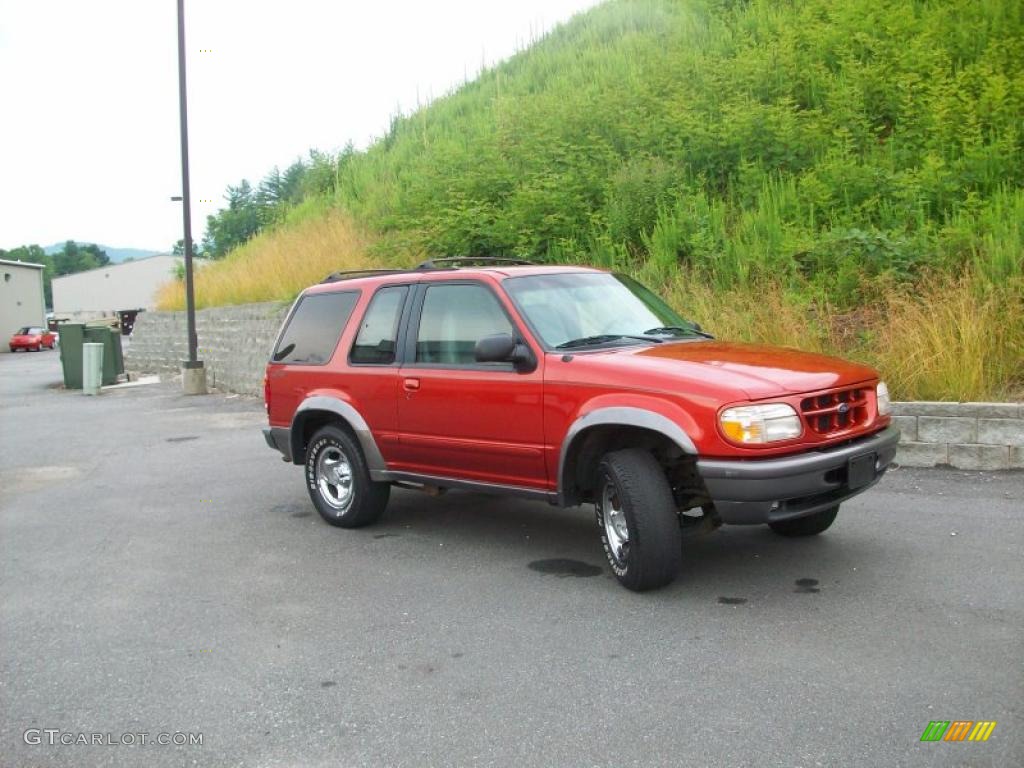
{"x": 113, "y": 362}
{"x": 115, "y": 346}
{"x": 72, "y": 336}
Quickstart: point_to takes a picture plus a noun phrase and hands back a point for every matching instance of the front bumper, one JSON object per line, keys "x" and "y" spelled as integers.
{"x": 748, "y": 492}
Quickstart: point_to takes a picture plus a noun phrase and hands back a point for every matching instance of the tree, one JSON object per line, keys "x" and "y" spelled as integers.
{"x": 78, "y": 258}
{"x": 292, "y": 182}
{"x": 70, "y": 259}
{"x": 234, "y": 225}
{"x": 178, "y": 249}
{"x": 30, "y": 253}
{"x": 271, "y": 191}
{"x": 249, "y": 210}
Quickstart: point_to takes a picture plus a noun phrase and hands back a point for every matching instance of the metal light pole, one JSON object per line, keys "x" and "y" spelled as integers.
{"x": 193, "y": 372}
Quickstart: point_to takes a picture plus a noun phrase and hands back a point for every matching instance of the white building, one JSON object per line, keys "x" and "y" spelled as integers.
{"x": 106, "y": 290}
{"x": 21, "y": 297}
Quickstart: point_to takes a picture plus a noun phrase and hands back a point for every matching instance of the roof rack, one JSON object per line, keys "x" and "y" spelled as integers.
{"x": 454, "y": 262}
{"x": 447, "y": 262}
{"x": 349, "y": 274}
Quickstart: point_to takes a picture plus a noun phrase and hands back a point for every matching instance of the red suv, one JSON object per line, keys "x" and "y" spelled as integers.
{"x": 571, "y": 385}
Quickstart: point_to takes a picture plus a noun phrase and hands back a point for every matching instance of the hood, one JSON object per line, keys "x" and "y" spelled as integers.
{"x": 26, "y": 336}
{"x": 752, "y": 370}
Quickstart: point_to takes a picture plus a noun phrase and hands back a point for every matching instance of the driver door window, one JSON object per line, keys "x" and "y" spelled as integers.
{"x": 454, "y": 319}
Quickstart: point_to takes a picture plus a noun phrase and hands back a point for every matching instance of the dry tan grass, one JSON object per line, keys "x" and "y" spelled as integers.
{"x": 955, "y": 339}
{"x": 278, "y": 264}
{"x": 762, "y": 313}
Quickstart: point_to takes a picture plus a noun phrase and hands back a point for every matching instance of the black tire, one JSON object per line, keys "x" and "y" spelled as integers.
{"x": 349, "y": 506}
{"x": 811, "y": 525}
{"x": 651, "y": 555}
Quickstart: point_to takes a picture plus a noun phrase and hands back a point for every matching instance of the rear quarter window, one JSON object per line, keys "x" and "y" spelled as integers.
{"x": 378, "y": 332}
{"x": 314, "y": 328}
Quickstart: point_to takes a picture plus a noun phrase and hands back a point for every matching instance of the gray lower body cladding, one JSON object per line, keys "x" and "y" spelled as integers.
{"x": 753, "y": 491}
{"x": 279, "y": 438}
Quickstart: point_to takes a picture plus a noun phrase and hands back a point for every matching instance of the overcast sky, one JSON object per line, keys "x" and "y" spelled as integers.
{"x": 88, "y": 91}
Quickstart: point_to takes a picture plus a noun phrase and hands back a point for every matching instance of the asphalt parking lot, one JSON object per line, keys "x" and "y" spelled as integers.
{"x": 164, "y": 572}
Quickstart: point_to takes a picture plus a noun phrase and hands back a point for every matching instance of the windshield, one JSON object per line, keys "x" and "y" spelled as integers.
{"x": 27, "y": 331}
{"x": 594, "y": 307}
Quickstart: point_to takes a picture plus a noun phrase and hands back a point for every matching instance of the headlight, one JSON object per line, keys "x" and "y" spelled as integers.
{"x": 753, "y": 424}
{"x": 882, "y": 396}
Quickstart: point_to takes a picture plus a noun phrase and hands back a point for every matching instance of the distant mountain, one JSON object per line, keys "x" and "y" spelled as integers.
{"x": 116, "y": 255}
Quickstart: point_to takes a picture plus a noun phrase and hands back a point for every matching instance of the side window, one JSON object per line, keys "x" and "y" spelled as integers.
{"x": 454, "y": 319}
{"x": 378, "y": 332}
{"x": 314, "y": 328}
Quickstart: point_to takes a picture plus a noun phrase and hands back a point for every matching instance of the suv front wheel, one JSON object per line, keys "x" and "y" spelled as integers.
{"x": 339, "y": 483}
{"x": 637, "y": 517}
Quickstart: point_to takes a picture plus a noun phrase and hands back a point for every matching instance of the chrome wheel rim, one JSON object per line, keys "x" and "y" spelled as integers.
{"x": 613, "y": 517}
{"x": 334, "y": 479}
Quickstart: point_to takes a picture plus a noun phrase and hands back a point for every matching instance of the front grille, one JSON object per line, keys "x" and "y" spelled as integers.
{"x": 835, "y": 412}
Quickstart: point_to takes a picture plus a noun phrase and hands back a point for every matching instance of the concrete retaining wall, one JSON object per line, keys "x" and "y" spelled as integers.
{"x": 963, "y": 435}
{"x": 235, "y": 342}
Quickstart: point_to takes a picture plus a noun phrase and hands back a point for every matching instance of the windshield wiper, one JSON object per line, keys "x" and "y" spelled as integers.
{"x": 676, "y": 329}
{"x": 604, "y": 337}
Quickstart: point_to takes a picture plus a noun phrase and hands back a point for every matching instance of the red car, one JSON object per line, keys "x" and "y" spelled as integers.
{"x": 569, "y": 385}
{"x": 32, "y": 337}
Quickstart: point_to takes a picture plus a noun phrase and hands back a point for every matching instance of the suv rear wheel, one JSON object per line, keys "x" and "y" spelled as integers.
{"x": 637, "y": 517}
{"x": 339, "y": 483}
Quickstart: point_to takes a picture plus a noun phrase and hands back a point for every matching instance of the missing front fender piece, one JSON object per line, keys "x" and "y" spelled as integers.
{"x": 698, "y": 522}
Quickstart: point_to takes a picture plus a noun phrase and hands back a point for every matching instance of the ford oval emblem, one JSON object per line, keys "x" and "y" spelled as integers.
{"x": 843, "y": 407}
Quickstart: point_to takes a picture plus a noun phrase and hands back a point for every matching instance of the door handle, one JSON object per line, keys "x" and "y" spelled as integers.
{"x": 411, "y": 385}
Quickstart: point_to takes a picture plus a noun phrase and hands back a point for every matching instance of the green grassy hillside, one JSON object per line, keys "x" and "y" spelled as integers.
{"x": 820, "y": 139}
{"x": 844, "y": 165}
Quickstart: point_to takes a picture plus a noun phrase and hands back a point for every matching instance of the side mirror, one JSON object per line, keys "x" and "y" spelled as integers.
{"x": 498, "y": 348}
{"x": 504, "y": 348}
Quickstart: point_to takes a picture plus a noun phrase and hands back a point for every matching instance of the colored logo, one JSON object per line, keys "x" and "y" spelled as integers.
{"x": 958, "y": 730}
